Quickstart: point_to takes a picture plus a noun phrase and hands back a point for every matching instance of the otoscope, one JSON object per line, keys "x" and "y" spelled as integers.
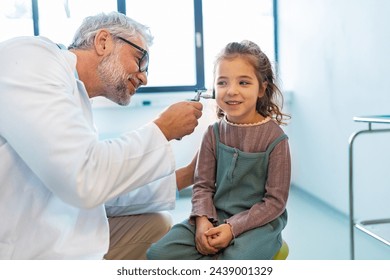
{"x": 201, "y": 93}
{"x": 204, "y": 93}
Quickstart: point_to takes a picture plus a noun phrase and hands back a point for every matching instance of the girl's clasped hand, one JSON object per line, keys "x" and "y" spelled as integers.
{"x": 209, "y": 239}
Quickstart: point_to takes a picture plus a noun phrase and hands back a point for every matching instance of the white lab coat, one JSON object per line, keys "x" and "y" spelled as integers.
{"x": 55, "y": 175}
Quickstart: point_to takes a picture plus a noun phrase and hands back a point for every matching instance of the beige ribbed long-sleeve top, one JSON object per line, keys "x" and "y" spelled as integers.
{"x": 247, "y": 138}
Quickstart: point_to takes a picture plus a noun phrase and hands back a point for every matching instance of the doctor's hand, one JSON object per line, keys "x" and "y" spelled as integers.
{"x": 179, "y": 119}
{"x": 185, "y": 175}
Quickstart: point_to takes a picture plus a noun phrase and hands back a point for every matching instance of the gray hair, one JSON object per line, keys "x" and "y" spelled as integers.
{"x": 116, "y": 23}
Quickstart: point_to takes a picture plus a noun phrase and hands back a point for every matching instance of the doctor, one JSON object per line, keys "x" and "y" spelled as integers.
{"x": 55, "y": 174}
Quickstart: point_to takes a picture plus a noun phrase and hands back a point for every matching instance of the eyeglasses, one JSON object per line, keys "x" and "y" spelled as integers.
{"x": 143, "y": 62}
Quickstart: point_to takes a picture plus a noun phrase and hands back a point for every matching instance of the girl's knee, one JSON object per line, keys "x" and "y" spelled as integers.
{"x": 151, "y": 253}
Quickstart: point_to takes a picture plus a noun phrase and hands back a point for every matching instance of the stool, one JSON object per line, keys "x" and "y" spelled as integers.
{"x": 282, "y": 254}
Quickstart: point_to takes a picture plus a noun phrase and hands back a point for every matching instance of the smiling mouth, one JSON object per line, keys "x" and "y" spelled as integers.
{"x": 134, "y": 84}
{"x": 233, "y": 102}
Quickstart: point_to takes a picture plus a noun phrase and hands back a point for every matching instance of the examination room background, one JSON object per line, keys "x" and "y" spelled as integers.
{"x": 333, "y": 64}
{"x": 334, "y": 57}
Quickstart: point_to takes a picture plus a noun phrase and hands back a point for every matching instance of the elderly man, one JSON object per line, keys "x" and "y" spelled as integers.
{"x": 56, "y": 176}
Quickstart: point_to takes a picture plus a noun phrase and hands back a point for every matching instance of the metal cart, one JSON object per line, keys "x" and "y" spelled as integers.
{"x": 377, "y": 228}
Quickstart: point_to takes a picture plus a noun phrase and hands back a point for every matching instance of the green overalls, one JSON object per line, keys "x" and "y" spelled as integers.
{"x": 240, "y": 183}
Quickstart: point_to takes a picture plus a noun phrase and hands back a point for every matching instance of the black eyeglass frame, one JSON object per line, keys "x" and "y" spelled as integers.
{"x": 145, "y": 54}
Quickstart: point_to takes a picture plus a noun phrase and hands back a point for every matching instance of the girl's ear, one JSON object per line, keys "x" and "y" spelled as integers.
{"x": 263, "y": 88}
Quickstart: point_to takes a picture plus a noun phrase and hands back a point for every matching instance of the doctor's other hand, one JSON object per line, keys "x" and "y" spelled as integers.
{"x": 185, "y": 175}
{"x": 179, "y": 119}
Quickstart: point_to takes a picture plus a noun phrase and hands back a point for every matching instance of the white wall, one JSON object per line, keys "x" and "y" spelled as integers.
{"x": 335, "y": 58}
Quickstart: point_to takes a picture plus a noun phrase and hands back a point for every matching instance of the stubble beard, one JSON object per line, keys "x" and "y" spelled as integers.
{"x": 114, "y": 78}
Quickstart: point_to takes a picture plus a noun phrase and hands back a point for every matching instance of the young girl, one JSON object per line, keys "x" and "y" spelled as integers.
{"x": 243, "y": 172}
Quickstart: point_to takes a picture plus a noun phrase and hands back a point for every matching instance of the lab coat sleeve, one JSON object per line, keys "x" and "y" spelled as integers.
{"x": 156, "y": 196}
{"x": 42, "y": 119}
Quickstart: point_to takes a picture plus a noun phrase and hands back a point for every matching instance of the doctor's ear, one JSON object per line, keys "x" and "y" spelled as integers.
{"x": 103, "y": 42}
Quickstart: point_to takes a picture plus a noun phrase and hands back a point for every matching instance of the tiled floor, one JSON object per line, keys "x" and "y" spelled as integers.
{"x": 314, "y": 231}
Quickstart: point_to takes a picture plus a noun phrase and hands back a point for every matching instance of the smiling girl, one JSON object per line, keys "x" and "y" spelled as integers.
{"x": 243, "y": 171}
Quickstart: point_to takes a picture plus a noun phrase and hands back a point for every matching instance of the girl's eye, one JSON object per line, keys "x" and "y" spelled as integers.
{"x": 244, "y": 83}
{"x": 221, "y": 83}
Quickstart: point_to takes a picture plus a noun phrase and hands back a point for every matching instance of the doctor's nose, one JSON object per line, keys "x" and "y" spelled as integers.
{"x": 143, "y": 78}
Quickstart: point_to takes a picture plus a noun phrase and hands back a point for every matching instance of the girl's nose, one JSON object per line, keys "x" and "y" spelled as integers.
{"x": 232, "y": 90}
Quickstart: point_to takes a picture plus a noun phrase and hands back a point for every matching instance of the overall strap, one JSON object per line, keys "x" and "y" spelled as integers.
{"x": 216, "y": 133}
{"x": 275, "y": 142}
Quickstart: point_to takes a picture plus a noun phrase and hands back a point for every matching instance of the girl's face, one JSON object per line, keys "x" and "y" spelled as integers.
{"x": 237, "y": 89}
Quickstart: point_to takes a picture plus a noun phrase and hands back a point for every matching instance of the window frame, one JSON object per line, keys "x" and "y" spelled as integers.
{"x": 199, "y": 50}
